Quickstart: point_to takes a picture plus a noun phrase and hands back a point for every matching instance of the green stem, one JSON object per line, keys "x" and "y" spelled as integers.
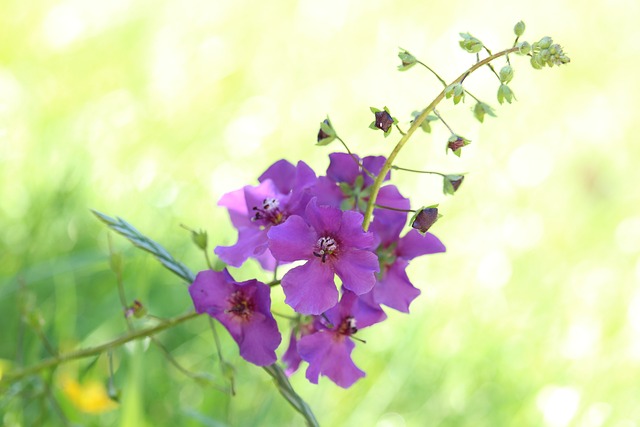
{"x": 12, "y": 376}
{"x": 375, "y": 188}
{"x": 433, "y": 72}
{"x": 394, "y": 167}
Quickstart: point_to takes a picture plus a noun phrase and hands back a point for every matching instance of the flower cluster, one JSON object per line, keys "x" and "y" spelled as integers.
{"x": 292, "y": 215}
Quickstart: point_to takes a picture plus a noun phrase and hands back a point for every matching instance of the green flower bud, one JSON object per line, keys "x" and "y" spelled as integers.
{"x": 519, "y": 28}
{"x": 327, "y": 133}
{"x": 545, "y": 42}
{"x": 505, "y": 94}
{"x": 481, "y": 109}
{"x": 407, "y": 59}
{"x": 524, "y": 47}
{"x": 535, "y": 62}
{"x": 506, "y": 74}
{"x": 470, "y": 43}
{"x": 136, "y": 310}
{"x": 426, "y": 123}
{"x": 456, "y": 91}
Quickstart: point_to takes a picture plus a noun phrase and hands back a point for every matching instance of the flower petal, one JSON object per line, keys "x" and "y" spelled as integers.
{"x": 324, "y": 219}
{"x": 310, "y": 288}
{"x": 251, "y": 242}
{"x": 292, "y": 240}
{"x": 356, "y": 268}
{"x": 282, "y": 173}
{"x": 394, "y": 289}
{"x": 374, "y": 165}
{"x": 343, "y": 168}
{"x": 329, "y": 355}
{"x": 351, "y": 233}
{"x": 414, "y": 244}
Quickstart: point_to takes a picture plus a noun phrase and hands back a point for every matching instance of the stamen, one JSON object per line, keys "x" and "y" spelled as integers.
{"x": 325, "y": 246}
{"x": 269, "y": 210}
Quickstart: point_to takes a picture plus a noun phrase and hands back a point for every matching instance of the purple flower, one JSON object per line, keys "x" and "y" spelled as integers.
{"x": 393, "y": 288}
{"x": 291, "y": 358}
{"x": 328, "y": 351}
{"x": 243, "y": 309}
{"x": 284, "y": 190}
{"x": 332, "y": 242}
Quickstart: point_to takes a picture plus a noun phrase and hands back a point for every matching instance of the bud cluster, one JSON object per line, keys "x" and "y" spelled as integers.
{"x": 547, "y": 53}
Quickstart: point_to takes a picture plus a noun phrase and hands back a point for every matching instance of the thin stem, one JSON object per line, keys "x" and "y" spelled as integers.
{"x": 417, "y": 171}
{"x": 375, "y": 188}
{"x": 399, "y": 130}
{"x": 393, "y": 209}
{"x": 273, "y": 283}
{"x": 472, "y": 95}
{"x": 442, "y": 120}
{"x": 434, "y": 73}
{"x": 117, "y": 269}
{"x": 92, "y": 351}
{"x": 207, "y": 259}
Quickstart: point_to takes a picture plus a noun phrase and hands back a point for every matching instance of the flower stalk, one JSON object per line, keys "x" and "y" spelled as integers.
{"x": 375, "y": 188}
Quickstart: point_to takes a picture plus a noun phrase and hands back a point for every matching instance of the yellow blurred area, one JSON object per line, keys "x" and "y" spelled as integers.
{"x": 91, "y": 396}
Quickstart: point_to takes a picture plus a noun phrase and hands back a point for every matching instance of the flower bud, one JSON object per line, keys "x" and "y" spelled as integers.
{"x": 407, "y": 59}
{"x": 470, "y": 43}
{"x": 456, "y": 142}
{"x": 505, "y": 94}
{"x": 480, "y": 109}
{"x": 506, "y": 74}
{"x": 545, "y": 42}
{"x": 519, "y": 28}
{"x": 424, "y": 218}
{"x": 456, "y": 91}
{"x": 426, "y": 123}
{"x": 136, "y": 310}
{"x": 524, "y": 47}
{"x": 451, "y": 183}
{"x": 383, "y": 120}
{"x": 326, "y": 134}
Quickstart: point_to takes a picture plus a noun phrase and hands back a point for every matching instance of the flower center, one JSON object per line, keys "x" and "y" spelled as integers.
{"x": 348, "y": 326}
{"x": 269, "y": 211}
{"x": 325, "y": 246}
{"x": 240, "y": 306}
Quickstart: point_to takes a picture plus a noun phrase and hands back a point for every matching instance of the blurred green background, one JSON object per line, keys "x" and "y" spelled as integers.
{"x": 151, "y": 110}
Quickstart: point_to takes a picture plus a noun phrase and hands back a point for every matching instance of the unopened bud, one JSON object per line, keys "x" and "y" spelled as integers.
{"x": 383, "y": 120}
{"x": 505, "y": 94}
{"x": 136, "y": 310}
{"x": 506, "y": 74}
{"x": 424, "y": 218}
{"x": 326, "y": 134}
{"x": 407, "y": 59}
{"x": 519, "y": 28}
{"x": 456, "y": 142}
{"x": 470, "y": 43}
{"x": 451, "y": 183}
{"x": 524, "y": 47}
{"x": 456, "y": 91}
{"x": 480, "y": 109}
